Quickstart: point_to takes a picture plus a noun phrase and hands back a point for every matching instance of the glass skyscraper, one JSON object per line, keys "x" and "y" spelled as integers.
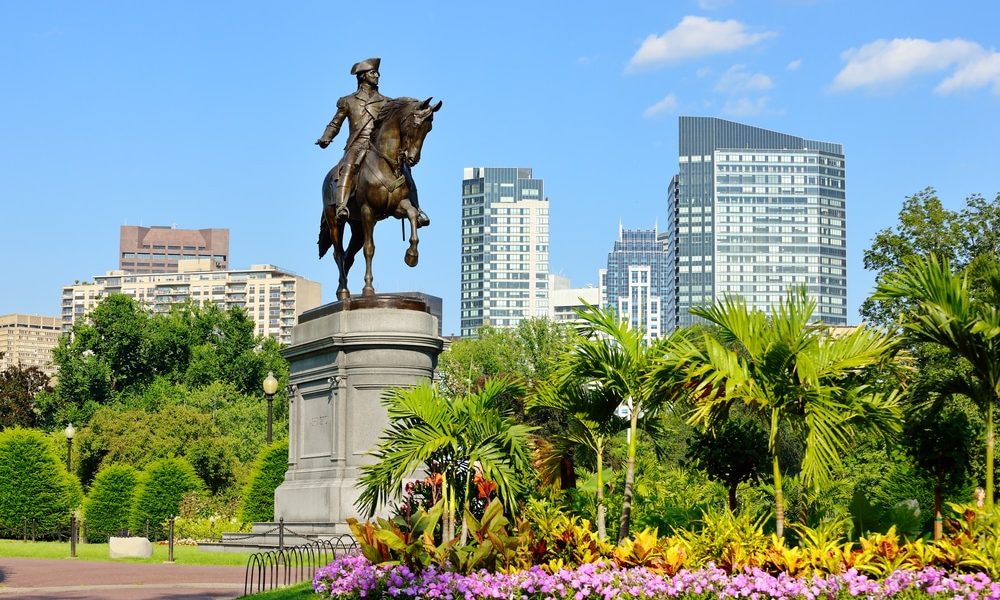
{"x": 755, "y": 212}
{"x": 637, "y": 279}
{"x": 505, "y": 248}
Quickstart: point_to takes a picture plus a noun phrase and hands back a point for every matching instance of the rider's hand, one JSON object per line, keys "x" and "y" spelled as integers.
{"x": 322, "y": 143}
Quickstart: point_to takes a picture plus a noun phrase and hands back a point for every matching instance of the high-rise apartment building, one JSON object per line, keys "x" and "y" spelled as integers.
{"x": 28, "y": 340}
{"x": 637, "y": 279}
{"x": 158, "y": 249}
{"x": 272, "y": 297}
{"x": 505, "y": 248}
{"x": 756, "y": 213}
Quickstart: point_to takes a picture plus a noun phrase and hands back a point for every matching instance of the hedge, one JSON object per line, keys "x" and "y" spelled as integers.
{"x": 268, "y": 473}
{"x": 109, "y": 505}
{"x": 34, "y": 484}
{"x": 158, "y": 497}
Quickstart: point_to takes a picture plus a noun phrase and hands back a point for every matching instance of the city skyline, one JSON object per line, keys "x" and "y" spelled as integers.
{"x": 205, "y": 116}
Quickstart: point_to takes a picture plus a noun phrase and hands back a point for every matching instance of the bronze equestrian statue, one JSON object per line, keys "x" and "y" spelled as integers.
{"x": 372, "y": 181}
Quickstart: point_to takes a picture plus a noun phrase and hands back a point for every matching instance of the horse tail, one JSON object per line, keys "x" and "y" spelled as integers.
{"x": 325, "y": 240}
{"x": 325, "y": 237}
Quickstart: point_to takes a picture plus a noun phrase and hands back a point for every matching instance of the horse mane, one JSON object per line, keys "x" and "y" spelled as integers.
{"x": 391, "y": 108}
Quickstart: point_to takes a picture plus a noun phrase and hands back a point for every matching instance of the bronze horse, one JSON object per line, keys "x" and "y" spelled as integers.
{"x": 383, "y": 188}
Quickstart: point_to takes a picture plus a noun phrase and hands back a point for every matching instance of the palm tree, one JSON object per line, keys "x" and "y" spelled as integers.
{"x": 793, "y": 373}
{"x": 591, "y": 421}
{"x": 464, "y": 434}
{"x": 617, "y": 360}
{"x": 944, "y": 312}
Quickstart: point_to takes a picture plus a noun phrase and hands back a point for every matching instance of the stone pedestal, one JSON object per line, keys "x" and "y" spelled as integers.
{"x": 343, "y": 358}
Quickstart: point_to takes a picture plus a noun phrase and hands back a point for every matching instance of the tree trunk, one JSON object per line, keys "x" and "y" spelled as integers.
{"x": 779, "y": 500}
{"x": 732, "y": 497}
{"x": 938, "y": 529}
{"x": 629, "y": 475}
{"x": 602, "y": 530}
{"x": 989, "y": 457}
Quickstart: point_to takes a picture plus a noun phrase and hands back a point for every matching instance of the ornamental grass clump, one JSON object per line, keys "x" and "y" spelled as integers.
{"x": 353, "y": 576}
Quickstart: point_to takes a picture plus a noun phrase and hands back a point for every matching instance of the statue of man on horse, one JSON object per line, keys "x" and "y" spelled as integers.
{"x": 361, "y": 110}
{"x": 372, "y": 181}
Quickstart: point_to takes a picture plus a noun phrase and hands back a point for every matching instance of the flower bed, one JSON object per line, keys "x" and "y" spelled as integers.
{"x": 353, "y": 576}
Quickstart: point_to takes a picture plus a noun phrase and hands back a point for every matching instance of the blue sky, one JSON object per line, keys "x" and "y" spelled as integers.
{"x": 204, "y": 114}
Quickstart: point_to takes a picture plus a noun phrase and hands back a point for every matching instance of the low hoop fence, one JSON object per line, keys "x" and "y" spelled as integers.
{"x": 271, "y": 569}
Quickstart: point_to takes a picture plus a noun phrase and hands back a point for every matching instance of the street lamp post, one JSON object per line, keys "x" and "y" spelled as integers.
{"x": 69, "y": 432}
{"x": 270, "y": 387}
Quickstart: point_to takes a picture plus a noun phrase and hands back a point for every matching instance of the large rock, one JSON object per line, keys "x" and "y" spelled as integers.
{"x": 130, "y": 547}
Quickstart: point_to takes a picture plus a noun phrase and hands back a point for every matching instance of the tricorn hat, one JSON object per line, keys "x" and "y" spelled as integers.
{"x": 369, "y": 64}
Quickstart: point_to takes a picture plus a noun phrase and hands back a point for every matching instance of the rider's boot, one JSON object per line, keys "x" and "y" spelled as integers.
{"x": 344, "y": 191}
{"x": 422, "y": 219}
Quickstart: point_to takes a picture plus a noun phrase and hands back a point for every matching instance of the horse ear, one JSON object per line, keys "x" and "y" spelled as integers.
{"x": 425, "y": 103}
{"x": 437, "y": 106}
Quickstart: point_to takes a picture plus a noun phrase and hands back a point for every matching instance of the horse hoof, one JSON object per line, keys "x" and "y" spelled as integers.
{"x": 343, "y": 294}
{"x": 411, "y": 258}
{"x": 368, "y": 291}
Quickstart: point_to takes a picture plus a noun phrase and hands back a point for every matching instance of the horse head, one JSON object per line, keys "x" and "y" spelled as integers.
{"x": 415, "y": 127}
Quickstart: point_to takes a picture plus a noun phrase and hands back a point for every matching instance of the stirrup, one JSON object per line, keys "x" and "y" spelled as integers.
{"x": 422, "y": 219}
{"x": 342, "y": 213}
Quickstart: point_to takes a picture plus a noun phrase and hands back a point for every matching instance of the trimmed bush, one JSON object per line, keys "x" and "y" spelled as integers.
{"x": 109, "y": 505}
{"x": 158, "y": 497}
{"x": 268, "y": 473}
{"x": 34, "y": 484}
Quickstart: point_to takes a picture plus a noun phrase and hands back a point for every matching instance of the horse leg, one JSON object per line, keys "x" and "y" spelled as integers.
{"x": 337, "y": 242}
{"x": 412, "y": 214}
{"x": 368, "y": 227}
{"x": 357, "y": 241}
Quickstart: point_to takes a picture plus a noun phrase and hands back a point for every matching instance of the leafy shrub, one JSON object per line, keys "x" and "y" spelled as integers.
{"x": 213, "y": 462}
{"x": 109, "y": 505}
{"x": 268, "y": 473}
{"x": 206, "y": 529}
{"x": 158, "y": 497}
{"x": 34, "y": 483}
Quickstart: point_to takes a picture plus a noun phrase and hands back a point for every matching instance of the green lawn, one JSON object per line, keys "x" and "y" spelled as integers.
{"x": 299, "y": 591}
{"x": 187, "y": 555}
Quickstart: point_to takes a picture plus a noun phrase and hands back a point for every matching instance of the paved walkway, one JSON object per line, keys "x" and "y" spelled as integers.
{"x": 24, "y": 578}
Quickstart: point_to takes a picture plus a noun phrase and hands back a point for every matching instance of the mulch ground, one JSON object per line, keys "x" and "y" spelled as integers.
{"x": 25, "y": 578}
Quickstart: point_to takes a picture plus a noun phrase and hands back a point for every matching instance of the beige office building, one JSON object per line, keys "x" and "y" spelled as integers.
{"x": 159, "y": 249}
{"x": 565, "y": 300}
{"x": 28, "y": 340}
{"x": 273, "y": 297}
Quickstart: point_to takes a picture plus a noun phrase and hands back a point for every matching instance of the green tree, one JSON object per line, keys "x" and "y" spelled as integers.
{"x": 526, "y": 352}
{"x": 137, "y": 437}
{"x": 109, "y": 504}
{"x": 122, "y": 354}
{"x": 35, "y": 484}
{"x": 940, "y": 442}
{"x": 591, "y": 422}
{"x": 794, "y": 373}
{"x": 945, "y": 312}
{"x": 18, "y": 388}
{"x": 733, "y": 452}
{"x": 617, "y": 359}
{"x": 472, "y": 432}
{"x": 267, "y": 474}
{"x": 158, "y": 496}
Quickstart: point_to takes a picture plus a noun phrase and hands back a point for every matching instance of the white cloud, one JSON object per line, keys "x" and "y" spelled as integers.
{"x": 694, "y": 37}
{"x": 889, "y": 62}
{"x": 668, "y": 104}
{"x": 794, "y": 65}
{"x": 984, "y": 71}
{"x": 736, "y": 80}
{"x": 748, "y": 107}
